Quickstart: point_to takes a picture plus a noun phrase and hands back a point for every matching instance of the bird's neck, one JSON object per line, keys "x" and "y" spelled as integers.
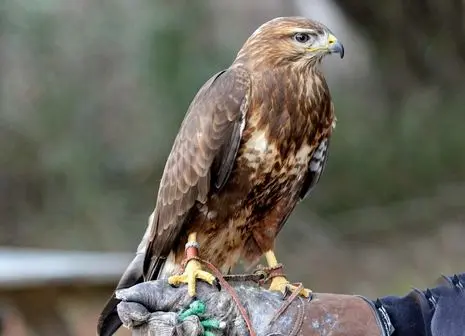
{"x": 291, "y": 89}
{"x": 292, "y": 104}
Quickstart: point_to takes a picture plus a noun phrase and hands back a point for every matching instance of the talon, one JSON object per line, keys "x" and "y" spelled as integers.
{"x": 193, "y": 270}
{"x": 281, "y": 284}
{"x": 287, "y": 292}
{"x": 192, "y": 273}
{"x": 217, "y": 284}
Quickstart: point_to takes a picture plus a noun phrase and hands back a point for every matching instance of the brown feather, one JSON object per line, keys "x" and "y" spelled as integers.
{"x": 215, "y": 112}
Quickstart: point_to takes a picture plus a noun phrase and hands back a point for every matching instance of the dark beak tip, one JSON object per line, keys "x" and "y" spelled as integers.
{"x": 340, "y": 50}
{"x": 337, "y": 48}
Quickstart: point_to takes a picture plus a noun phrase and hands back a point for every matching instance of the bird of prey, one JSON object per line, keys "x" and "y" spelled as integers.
{"x": 253, "y": 143}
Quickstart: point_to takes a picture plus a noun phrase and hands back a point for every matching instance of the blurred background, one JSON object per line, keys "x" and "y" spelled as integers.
{"x": 93, "y": 93}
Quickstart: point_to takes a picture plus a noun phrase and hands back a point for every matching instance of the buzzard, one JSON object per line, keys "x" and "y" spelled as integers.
{"x": 253, "y": 143}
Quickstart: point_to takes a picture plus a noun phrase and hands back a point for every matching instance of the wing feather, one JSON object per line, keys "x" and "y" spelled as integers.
{"x": 316, "y": 167}
{"x": 229, "y": 156}
{"x": 202, "y": 156}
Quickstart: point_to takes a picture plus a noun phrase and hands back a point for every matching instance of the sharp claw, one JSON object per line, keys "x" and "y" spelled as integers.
{"x": 310, "y": 296}
{"x": 282, "y": 285}
{"x": 287, "y": 291}
{"x": 217, "y": 284}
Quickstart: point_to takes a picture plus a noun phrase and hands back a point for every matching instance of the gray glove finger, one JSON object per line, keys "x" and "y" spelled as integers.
{"x": 157, "y": 295}
{"x": 145, "y": 293}
{"x": 132, "y": 313}
{"x": 190, "y": 327}
{"x": 159, "y": 323}
{"x": 165, "y": 323}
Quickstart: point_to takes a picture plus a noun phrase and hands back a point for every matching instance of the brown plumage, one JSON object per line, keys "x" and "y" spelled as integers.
{"x": 253, "y": 143}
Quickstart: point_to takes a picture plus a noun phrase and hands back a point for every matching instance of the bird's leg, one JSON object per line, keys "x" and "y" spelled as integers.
{"x": 279, "y": 283}
{"x": 193, "y": 268}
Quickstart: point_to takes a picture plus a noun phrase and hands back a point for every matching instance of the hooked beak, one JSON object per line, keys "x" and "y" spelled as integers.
{"x": 334, "y": 46}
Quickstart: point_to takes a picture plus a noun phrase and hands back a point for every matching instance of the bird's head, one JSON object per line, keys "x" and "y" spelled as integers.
{"x": 291, "y": 39}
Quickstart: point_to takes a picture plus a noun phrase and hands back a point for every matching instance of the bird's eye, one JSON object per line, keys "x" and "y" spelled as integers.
{"x": 302, "y": 37}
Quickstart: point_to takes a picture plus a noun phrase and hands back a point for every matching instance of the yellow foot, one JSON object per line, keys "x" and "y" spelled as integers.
{"x": 192, "y": 272}
{"x": 281, "y": 284}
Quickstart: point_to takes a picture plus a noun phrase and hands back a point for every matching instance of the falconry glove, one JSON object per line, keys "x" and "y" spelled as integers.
{"x": 156, "y": 308}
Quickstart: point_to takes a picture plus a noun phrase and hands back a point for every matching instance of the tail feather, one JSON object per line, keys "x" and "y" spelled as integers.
{"x": 140, "y": 269}
{"x": 109, "y": 321}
